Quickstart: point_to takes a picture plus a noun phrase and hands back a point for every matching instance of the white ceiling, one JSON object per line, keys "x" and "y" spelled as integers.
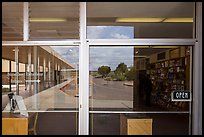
{"x": 140, "y": 9}
{"x": 105, "y": 13}
{"x": 98, "y": 13}
{"x": 12, "y": 22}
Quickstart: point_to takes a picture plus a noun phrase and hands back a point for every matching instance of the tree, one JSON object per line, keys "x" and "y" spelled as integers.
{"x": 111, "y": 74}
{"x": 121, "y": 68}
{"x": 120, "y": 71}
{"x": 104, "y": 70}
{"x": 130, "y": 75}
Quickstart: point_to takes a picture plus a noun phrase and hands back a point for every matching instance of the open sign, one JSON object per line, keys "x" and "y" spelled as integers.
{"x": 181, "y": 95}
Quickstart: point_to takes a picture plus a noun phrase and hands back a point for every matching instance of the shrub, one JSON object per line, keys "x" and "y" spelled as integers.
{"x": 5, "y": 90}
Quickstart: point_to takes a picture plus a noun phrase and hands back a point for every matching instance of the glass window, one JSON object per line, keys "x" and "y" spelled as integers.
{"x": 110, "y": 32}
{"x": 47, "y": 20}
{"x": 53, "y": 123}
{"x": 47, "y": 79}
{"x": 59, "y": 81}
{"x": 12, "y": 21}
{"x": 149, "y": 19}
{"x": 122, "y": 79}
{"x": 139, "y": 124}
{"x": 54, "y": 20}
{"x": 136, "y": 78}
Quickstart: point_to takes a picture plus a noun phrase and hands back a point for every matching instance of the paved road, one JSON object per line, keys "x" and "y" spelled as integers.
{"x": 111, "y": 90}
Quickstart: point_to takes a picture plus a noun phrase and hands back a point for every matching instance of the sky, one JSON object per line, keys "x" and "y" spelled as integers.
{"x": 110, "y": 56}
{"x": 110, "y": 32}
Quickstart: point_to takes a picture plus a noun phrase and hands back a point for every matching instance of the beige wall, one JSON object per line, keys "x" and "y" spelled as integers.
{"x": 5, "y": 66}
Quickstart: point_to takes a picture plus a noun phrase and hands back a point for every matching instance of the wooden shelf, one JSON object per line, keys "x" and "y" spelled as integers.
{"x": 13, "y": 124}
{"x": 135, "y": 126}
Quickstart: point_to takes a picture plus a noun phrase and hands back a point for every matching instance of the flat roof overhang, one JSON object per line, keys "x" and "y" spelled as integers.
{"x": 44, "y": 52}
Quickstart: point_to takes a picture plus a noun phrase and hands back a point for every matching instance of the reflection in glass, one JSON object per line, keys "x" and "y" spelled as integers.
{"x": 54, "y": 20}
{"x": 110, "y": 32}
{"x": 47, "y": 123}
{"x": 148, "y": 19}
{"x": 139, "y": 124}
{"x": 47, "y": 77}
{"x": 138, "y": 78}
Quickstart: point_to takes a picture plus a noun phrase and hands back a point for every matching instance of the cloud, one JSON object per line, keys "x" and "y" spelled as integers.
{"x": 110, "y": 32}
{"x": 95, "y": 32}
{"x": 70, "y": 54}
{"x": 119, "y": 36}
{"x": 99, "y": 56}
{"x": 110, "y": 56}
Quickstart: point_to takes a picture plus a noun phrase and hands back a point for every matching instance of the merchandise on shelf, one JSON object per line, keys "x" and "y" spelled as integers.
{"x": 167, "y": 76}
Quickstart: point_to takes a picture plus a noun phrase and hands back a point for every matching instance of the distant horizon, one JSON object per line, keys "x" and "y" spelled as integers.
{"x": 99, "y": 56}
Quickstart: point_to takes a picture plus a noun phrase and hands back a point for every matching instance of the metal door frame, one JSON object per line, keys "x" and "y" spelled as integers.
{"x": 85, "y": 43}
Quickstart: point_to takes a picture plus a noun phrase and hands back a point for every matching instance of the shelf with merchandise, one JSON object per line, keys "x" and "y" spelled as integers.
{"x": 167, "y": 76}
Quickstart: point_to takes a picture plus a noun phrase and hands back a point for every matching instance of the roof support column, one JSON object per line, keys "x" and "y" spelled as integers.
{"x": 44, "y": 72}
{"x": 29, "y": 71}
{"x": 17, "y": 70}
{"x": 35, "y": 60}
{"x": 10, "y": 75}
{"x": 38, "y": 73}
{"x": 49, "y": 73}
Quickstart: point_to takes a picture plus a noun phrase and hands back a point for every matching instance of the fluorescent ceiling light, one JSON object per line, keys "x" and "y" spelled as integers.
{"x": 47, "y": 31}
{"x": 139, "y": 19}
{"x": 136, "y": 52}
{"x": 48, "y": 20}
{"x": 140, "y": 56}
{"x": 164, "y": 47}
{"x": 15, "y": 50}
{"x": 155, "y": 47}
{"x": 154, "y": 20}
{"x": 178, "y": 20}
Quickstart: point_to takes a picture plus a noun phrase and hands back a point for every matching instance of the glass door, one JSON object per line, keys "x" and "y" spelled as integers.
{"x": 47, "y": 79}
{"x": 131, "y": 90}
{"x": 99, "y": 68}
{"x": 139, "y": 55}
{"x": 44, "y": 67}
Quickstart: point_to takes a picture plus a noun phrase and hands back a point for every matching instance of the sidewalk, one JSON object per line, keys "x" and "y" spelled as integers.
{"x": 129, "y": 83}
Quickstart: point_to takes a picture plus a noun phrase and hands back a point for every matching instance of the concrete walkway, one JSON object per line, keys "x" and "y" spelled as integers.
{"x": 55, "y": 99}
{"x": 49, "y": 99}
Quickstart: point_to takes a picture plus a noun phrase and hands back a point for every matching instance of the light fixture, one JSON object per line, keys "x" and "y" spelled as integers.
{"x": 178, "y": 20}
{"x": 137, "y": 47}
{"x": 46, "y": 31}
{"x": 141, "y": 56}
{"x": 136, "y": 52}
{"x": 155, "y": 47}
{"x": 152, "y": 20}
{"x": 139, "y": 19}
{"x": 15, "y": 50}
{"x": 164, "y": 47}
{"x": 48, "y": 20}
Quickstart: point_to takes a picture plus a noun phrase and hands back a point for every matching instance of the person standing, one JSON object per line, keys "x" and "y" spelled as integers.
{"x": 148, "y": 90}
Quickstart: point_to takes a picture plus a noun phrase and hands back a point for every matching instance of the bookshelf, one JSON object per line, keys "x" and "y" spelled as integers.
{"x": 166, "y": 76}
